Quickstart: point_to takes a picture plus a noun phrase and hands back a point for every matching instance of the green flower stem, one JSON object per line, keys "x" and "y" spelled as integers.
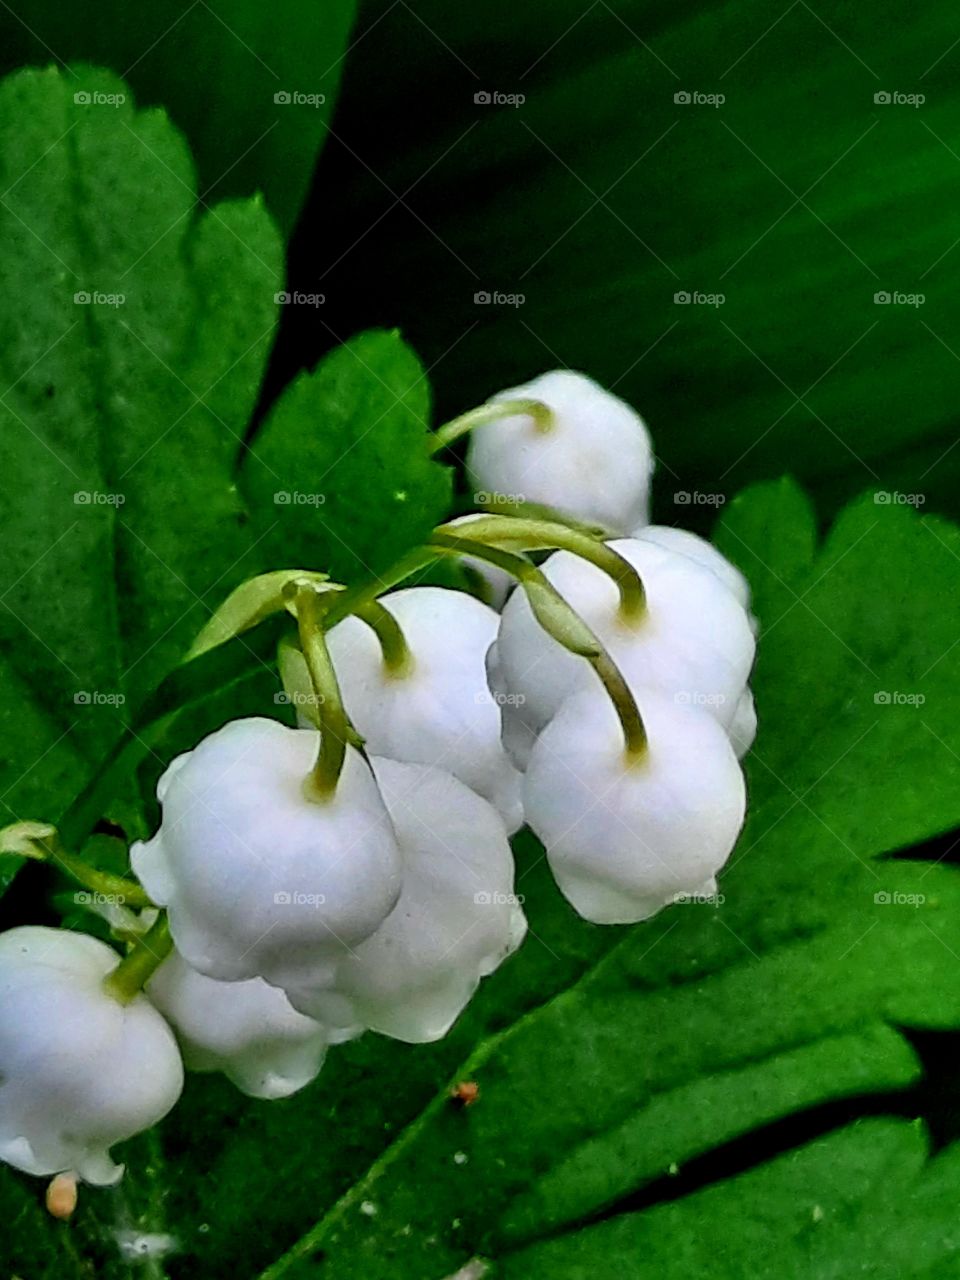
{"x": 397, "y": 658}
{"x": 520, "y": 534}
{"x": 357, "y": 598}
{"x": 541, "y": 414}
{"x": 127, "y": 892}
{"x": 41, "y": 841}
{"x": 563, "y": 624}
{"x": 127, "y": 980}
{"x": 334, "y": 728}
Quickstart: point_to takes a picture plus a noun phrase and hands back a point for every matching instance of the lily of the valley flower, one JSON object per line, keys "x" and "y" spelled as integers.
{"x": 457, "y": 919}
{"x": 693, "y": 642}
{"x": 438, "y": 710}
{"x": 591, "y": 459}
{"x": 79, "y": 1070}
{"x": 626, "y": 837}
{"x": 261, "y": 880}
{"x": 248, "y": 1030}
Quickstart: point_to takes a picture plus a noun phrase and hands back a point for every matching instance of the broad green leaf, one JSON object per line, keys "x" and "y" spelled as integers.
{"x": 134, "y": 334}
{"x": 607, "y": 1057}
{"x": 340, "y": 474}
{"x": 594, "y": 201}
{"x": 867, "y": 1200}
{"x": 251, "y": 86}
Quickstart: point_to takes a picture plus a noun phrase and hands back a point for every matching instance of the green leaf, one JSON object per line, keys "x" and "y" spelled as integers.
{"x": 599, "y": 197}
{"x": 134, "y": 336}
{"x": 607, "y": 1057}
{"x": 340, "y": 474}
{"x": 217, "y": 68}
{"x": 251, "y": 603}
{"x": 867, "y": 1200}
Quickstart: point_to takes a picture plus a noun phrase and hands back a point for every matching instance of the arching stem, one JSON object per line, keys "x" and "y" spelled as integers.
{"x": 41, "y": 841}
{"x": 128, "y": 979}
{"x": 321, "y": 783}
{"x": 541, "y": 414}
{"x": 518, "y": 533}
{"x": 397, "y": 659}
{"x": 561, "y": 621}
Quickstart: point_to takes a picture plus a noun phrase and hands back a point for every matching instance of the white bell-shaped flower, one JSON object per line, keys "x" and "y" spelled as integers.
{"x": 248, "y": 1030}
{"x": 440, "y": 711}
{"x": 457, "y": 919}
{"x": 698, "y": 549}
{"x": 743, "y": 726}
{"x": 260, "y": 880}
{"x": 79, "y": 1071}
{"x": 593, "y": 461}
{"x": 693, "y": 642}
{"x": 625, "y": 838}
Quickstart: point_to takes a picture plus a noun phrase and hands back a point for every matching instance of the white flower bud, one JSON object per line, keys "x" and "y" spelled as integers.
{"x": 79, "y": 1071}
{"x": 693, "y": 642}
{"x": 593, "y": 462}
{"x": 625, "y": 838}
{"x": 456, "y": 921}
{"x": 248, "y": 1030}
{"x": 440, "y": 712}
{"x": 743, "y": 726}
{"x": 259, "y": 880}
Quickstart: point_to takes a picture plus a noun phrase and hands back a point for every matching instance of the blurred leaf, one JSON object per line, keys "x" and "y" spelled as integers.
{"x": 600, "y": 197}
{"x": 340, "y": 474}
{"x": 217, "y": 66}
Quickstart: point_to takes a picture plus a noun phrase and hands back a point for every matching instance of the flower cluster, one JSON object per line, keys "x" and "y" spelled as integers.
{"x": 307, "y": 884}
